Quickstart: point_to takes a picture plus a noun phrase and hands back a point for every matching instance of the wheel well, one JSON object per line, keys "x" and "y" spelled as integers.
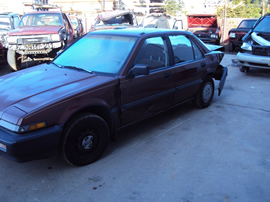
{"x": 101, "y": 111}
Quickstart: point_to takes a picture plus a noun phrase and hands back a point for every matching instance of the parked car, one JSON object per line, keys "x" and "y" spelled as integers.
{"x": 77, "y": 25}
{"x": 115, "y": 19}
{"x": 150, "y": 20}
{"x": 39, "y": 36}
{"x": 82, "y": 98}
{"x": 255, "y": 51}
{"x": 8, "y": 21}
{"x": 205, "y": 27}
{"x": 236, "y": 35}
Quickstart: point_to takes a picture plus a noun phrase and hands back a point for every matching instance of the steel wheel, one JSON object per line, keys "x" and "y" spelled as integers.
{"x": 85, "y": 139}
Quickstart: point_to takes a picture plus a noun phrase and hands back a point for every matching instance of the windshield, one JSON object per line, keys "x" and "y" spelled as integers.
{"x": 97, "y": 53}
{"x": 5, "y": 23}
{"x": 42, "y": 19}
{"x": 247, "y": 24}
{"x": 263, "y": 26}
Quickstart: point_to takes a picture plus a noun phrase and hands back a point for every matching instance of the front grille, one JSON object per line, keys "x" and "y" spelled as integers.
{"x": 33, "y": 40}
{"x": 261, "y": 50}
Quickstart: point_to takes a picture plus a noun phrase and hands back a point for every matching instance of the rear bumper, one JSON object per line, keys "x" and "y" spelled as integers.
{"x": 29, "y": 146}
{"x": 254, "y": 61}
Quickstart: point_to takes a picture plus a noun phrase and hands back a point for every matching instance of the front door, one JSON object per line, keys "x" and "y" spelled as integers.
{"x": 144, "y": 95}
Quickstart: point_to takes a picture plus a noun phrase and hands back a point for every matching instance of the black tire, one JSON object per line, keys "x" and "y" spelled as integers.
{"x": 13, "y": 61}
{"x": 84, "y": 139}
{"x": 244, "y": 69}
{"x": 231, "y": 47}
{"x": 205, "y": 95}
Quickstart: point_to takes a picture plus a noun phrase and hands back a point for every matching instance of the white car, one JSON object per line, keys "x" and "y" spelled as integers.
{"x": 255, "y": 51}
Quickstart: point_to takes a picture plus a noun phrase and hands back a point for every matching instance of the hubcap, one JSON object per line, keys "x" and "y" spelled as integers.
{"x": 87, "y": 142}
{"x": 207, "y": 92}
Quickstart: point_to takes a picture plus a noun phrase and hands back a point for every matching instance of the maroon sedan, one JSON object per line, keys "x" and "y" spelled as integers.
{"x": 105, "y": 81}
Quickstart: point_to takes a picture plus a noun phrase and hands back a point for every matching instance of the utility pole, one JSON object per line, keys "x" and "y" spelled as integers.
{"x": 224, "y": 20}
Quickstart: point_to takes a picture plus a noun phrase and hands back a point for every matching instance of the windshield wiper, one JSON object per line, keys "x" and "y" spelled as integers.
{"x": 77, "y": 68}
{"x": 56, "y": 65}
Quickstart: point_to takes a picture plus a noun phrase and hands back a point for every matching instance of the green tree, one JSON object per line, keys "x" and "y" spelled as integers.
{"x": 172, "y": 7}
{"x": 241, "y": 9}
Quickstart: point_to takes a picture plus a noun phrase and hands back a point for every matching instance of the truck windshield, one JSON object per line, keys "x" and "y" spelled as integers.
{"x": 98, "y": 53}
{"x": 41, "y": 19}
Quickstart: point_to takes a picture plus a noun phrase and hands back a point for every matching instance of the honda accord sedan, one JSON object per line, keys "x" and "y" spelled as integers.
{"x": 105, "y": 81}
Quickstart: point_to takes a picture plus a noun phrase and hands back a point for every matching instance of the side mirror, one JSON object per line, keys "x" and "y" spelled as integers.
{"x": 139, "y": 69}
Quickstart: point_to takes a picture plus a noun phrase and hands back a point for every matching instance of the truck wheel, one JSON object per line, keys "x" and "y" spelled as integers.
{"x": 231, "y": 47}
{"x": 13, "y": 61}
{"x": 84, "y": 139}
{"x": 244, "y": 69}
{"x": 205, "y": 95}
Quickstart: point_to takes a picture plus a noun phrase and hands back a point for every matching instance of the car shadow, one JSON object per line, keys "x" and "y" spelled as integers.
{"x": 255, "y": 72}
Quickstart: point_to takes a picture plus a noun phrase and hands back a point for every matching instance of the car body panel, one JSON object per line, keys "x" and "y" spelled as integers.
{"x": 115, "y": 19}
{"x": 54, "y": 93}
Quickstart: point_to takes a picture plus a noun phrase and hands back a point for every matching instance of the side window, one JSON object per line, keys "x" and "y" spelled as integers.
{"x": 182, "y": 48}
{"x": 153, "y": 53}
{"x": 16, "y": 21}
{"x": 197, "y": 52}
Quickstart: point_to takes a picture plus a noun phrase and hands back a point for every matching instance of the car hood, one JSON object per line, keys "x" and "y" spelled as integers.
{"x": 35, "y": 87}
{"x": 35, "y": 30}
{"x": 239, "y": 30}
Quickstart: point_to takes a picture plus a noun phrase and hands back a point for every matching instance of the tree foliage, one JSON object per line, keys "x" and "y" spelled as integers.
{"x": 172, "y": 7}
{"x": 241, "y": 9}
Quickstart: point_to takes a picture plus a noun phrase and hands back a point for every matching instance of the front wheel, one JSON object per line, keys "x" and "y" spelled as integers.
{"x": 231, "y": 47}
{"x": 205, "y": 95}
{"x": 84, "y": 139}
{"x": 13, "y": 60}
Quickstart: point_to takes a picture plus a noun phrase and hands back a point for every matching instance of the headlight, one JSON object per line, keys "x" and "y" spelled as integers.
{"x": 55, "y": 37}
{"x": 214, "y": 36}
{"x": 232, "y": 35}
{"x": 12, "y": 39}
{"x": 246, "y": 46}
{"x": 14, "y": 115}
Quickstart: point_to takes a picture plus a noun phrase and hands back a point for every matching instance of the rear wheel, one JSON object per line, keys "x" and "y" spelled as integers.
{"x": 205, "y": 95}
{"x": 85, "y": 139}
{"x": 13, "y": 60}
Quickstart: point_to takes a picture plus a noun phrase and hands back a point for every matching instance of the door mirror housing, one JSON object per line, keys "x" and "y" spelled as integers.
{"x": 138, "y": 69}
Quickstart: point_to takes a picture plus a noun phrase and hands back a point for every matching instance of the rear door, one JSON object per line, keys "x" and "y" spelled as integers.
{"x": 144, "y": 95}
{"x": 190, "y": 65}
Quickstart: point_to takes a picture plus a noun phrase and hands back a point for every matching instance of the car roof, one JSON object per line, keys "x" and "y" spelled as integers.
{"x": 138, "y": 31}
{"x": 40, "y": 12}
{"x": 8, "y": 14}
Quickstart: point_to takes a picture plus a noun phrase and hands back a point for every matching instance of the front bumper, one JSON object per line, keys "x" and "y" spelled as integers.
{"x": 254, "y": 61}
{"x": 29, "y": 146}
{"x": 38, "y": 48}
